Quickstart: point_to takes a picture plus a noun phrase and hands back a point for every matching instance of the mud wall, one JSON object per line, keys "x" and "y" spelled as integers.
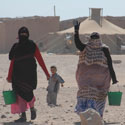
{"x": 38, "y": 27}
{"x": 2, "y": 37}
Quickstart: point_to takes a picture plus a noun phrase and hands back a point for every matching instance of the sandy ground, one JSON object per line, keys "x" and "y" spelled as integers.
{"x": 64, "y": 113}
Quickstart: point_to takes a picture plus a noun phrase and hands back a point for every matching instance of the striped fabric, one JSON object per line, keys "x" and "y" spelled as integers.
{"x": 93, "y": 54}
{"x": 92, "y": 93}
{"x": 83, "y": 104}
{"x": 93, "y": 78}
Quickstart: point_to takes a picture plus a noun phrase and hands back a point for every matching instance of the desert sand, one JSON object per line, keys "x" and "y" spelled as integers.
{"x": 64, "y": 113}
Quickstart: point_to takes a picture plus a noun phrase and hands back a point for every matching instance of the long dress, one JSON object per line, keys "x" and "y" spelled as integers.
{"x": 23, "y": 73}
{"x": 93, "y": 75}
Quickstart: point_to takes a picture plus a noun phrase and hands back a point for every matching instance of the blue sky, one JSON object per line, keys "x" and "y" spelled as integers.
{"x": 66, "y": 9}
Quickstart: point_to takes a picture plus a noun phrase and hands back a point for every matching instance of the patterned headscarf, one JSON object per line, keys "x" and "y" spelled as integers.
{"x": 93, "y": 54}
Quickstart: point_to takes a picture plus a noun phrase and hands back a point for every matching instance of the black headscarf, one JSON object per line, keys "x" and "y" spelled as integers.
{"x": 24, "y": 46}
{"x": 95, "y": 35}
{"x": 23, "y": 38}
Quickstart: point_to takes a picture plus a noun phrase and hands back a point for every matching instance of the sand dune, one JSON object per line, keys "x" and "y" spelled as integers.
{"x": 88, "y": 26}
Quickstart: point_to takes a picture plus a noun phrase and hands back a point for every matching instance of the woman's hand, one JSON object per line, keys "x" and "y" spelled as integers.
{"x": 115, "y": 82}
{"x": 76, "y": 25}
{"x": 8, "y": 80}
{"x": 48, "y": 77}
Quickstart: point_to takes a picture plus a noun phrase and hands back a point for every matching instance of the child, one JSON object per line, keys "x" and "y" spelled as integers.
{"x": 53, "y": 87}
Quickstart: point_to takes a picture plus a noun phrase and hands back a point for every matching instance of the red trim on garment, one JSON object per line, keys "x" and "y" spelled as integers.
{"x": 9, "y": 77}
{"x": 40, "y": 60}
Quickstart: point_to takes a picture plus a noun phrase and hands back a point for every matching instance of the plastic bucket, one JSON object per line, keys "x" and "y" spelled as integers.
{"x": 114, "y": 98}
{"x": 9, "y": 97}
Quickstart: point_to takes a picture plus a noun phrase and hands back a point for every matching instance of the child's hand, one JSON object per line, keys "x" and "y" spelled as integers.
{"x": 62, "y": 85}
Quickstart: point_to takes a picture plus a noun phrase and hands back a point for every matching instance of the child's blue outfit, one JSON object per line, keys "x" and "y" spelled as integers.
{"x": 53, "y": 88}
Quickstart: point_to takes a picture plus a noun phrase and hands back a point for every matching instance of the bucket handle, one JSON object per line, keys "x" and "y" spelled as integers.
{"x": 117, "y": 87}
{"x": 5, "y": 86}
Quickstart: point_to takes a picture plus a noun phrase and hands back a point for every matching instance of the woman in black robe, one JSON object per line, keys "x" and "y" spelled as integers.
{"x": 24, "y": 73}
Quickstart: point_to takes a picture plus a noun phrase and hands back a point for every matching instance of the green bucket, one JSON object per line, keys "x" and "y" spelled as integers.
{"x": 9, "y": 97}
{"x": 114, "y": 98}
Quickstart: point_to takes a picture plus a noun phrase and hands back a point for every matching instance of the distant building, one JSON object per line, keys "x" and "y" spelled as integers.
{"x": 94, "y": 23}
{"x": 38, "y": 27}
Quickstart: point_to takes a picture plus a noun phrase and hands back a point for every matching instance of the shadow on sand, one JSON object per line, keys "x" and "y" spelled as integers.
{"x": 111, "y": 123}
{"x": 15, "y": 123}
{"x": 77, "y": 123}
